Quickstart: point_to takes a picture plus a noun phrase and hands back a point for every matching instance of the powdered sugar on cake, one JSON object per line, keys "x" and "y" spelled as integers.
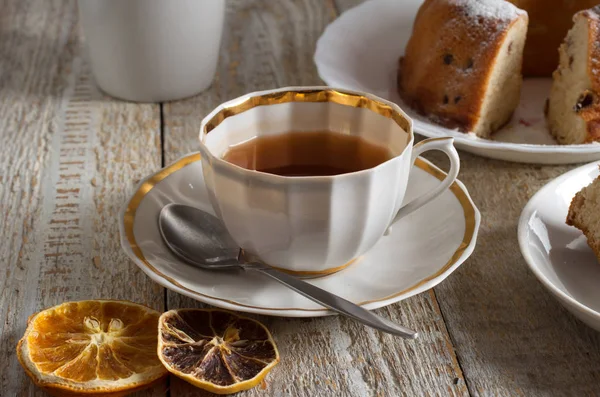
{"x": 501, "y": 10}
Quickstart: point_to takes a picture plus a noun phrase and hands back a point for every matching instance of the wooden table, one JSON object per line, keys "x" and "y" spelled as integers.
{"x": 70, "y": 156}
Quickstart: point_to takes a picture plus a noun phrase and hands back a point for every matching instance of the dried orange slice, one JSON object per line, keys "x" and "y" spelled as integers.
{"x": 94, "y": 347}
{"x": 216, "y": 350}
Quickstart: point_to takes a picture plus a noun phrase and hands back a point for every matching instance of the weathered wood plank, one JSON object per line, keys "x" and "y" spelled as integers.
{"x": 70, "y": 157}
{"x": 271, "y": 44}
{"x": 511, "y": 336}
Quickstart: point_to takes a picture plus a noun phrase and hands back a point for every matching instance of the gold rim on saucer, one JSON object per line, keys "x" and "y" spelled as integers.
{"x": 146, "y": 186}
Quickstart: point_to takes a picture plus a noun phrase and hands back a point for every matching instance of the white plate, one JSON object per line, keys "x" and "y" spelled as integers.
{"x": 422, "y": 250}
{"x": 360, "y": 51}
{"x": 558, "y": 254}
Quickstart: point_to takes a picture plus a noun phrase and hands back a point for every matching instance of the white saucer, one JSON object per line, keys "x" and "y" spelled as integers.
{"x": 360, "y": 51}
{"x": 558, "y": 254}
{"x": 421, "y": 251}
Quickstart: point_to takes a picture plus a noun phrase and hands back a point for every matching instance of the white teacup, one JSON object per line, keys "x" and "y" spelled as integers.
{"x": 318, "y": 224}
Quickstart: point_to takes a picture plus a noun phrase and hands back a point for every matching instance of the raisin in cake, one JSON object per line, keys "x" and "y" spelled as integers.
{"x": 462, "y": 64}
{"x": 549, "y": 21}
{"x": 573, "y": 109}
{"x": 584, "y": 214}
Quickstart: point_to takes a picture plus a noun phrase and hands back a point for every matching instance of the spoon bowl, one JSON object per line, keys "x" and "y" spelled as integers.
{"x": 212, "y": 249}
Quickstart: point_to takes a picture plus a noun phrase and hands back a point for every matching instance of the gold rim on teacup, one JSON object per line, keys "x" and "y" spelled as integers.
{"x": 299, "y": 94}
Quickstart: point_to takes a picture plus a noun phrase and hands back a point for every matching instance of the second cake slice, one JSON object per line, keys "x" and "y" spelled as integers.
{"x": 573, "y": 110}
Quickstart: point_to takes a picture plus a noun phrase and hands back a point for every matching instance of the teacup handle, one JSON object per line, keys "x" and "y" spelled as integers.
{"x": 445, "y": 145}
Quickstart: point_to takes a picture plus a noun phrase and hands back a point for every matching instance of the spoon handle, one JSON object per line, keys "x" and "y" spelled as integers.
{"x": 334, "y": 302}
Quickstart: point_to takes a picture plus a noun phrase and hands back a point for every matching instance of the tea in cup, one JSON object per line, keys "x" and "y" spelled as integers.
{"x": 308, "y": 179}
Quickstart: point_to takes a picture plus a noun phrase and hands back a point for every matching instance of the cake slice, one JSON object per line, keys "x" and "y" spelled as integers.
{"x": 573, "y": 109}
{"x": 462, "y": 64}
{"x": 584, "y": 214}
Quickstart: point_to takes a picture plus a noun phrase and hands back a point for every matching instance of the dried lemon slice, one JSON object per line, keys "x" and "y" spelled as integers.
{"x": 216, "y": 350}
{"x": 92, "y": 347}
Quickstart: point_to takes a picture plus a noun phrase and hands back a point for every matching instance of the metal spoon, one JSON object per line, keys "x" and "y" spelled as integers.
{"x": 202, "y": 240}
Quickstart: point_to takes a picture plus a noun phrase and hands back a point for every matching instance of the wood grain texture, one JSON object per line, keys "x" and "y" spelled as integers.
{"x": 69, "y": 159}
{"x": 267, "y": 45}
{"x": 511, "y": 336}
